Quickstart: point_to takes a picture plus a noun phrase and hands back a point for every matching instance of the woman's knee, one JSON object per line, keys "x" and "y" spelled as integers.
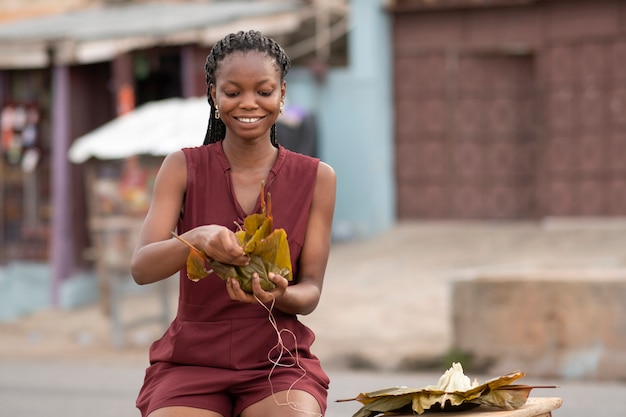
{"x": 291, "y": 403}
{"x": 180, "y": 411}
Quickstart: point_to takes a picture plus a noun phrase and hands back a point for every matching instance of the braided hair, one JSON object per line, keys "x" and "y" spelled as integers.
{"x": 239, "y": 42}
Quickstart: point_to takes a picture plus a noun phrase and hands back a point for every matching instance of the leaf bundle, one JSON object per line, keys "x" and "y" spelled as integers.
{"x": 496, "y": 392}
{"x": 267, "y": 248}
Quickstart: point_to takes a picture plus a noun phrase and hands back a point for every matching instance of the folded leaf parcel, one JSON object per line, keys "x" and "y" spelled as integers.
{"x": 453, "y": 389}
{"x": 267, "y": 247}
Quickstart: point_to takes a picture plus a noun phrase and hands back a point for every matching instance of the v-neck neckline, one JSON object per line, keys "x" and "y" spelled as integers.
{"x": 241, "y": 213}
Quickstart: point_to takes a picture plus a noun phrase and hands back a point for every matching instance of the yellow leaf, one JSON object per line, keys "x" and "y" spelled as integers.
{"x": 196, "y": 261}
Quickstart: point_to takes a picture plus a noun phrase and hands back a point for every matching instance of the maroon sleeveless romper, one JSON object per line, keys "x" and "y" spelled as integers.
{"x": 214, "y": 355}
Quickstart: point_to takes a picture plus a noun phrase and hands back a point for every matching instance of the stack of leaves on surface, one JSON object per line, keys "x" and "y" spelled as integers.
{"x": 453, "y": 390}
{"x": 267, "y": 248}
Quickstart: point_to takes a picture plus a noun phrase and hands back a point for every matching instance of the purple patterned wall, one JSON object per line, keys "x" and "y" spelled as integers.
{"x": 511, "y": 112}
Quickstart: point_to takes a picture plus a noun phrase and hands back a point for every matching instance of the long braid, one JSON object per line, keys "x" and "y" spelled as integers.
{"x": 239, "y": 42}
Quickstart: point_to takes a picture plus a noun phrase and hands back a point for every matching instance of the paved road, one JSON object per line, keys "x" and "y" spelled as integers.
{"x": 101, "y": 389}
{"x": 61, "y": 364}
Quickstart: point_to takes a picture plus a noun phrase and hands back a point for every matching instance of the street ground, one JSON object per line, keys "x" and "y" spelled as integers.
{"x": 386, "y": 303}
{"x": 79, "y": 388}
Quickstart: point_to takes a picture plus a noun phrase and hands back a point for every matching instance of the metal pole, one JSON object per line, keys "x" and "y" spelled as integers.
{"x": 187, "y": 71}
{"x": 62, "y": 253}
{"x": 3, "y": 95}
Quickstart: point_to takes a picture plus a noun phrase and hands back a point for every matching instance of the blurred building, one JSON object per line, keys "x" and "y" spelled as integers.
{"x": 510, "y": 108}
{"x": 68, "y": 67}
{"x": 499, "y": 109}
{"x": 11, "y": 10}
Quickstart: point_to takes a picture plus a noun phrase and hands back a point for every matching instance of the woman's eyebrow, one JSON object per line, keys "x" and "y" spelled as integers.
{"x": 235, "y": 83}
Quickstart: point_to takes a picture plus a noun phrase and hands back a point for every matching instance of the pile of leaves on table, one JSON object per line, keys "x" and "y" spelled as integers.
{"x": 453, "y": 392}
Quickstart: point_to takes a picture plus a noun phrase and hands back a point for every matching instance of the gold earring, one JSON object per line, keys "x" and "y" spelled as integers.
{"x": 282, "y": 108}
{"x": 217, "y": 113}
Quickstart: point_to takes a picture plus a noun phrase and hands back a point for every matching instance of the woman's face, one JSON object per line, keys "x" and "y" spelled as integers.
{"x": 248, "y": 92}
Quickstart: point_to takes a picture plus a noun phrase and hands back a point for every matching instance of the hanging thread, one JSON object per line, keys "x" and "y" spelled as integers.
{"x": 281, "y": 348}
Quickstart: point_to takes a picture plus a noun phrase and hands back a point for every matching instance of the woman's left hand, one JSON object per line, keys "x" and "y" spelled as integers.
{"x": 258, "y": 294}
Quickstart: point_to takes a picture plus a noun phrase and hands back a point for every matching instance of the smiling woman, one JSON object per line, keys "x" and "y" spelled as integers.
{"x": 221, "y": 356}
{"x": 241, "y": 44}
{"x": 248, "y": 95}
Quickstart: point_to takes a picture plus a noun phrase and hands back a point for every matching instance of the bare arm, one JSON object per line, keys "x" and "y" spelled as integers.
{"x": 158, "y": 255}
{"x": 303, "y": 297}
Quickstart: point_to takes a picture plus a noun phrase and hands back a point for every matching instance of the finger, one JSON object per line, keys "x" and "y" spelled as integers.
{"x": 234, "y": 255}
{"x": 234, "y": 239}
{"x": 233, "y": 249}
{"x": 256, "y": 285}
{"x": 258, "y": 292}
{"x": 244, "y": 260}
{"x": 227, "y": 239}
{"x": 231, "y": 288}
{"x": 234, "y": 288}
{"x": 237, "y": 293}
{"x": 279, "y": 280}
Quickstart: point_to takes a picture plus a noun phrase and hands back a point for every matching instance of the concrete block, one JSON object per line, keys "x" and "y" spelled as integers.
{"x": 25, "y": 288}
{"x": 80, "y": 290}
{"x": 547, "y": 323}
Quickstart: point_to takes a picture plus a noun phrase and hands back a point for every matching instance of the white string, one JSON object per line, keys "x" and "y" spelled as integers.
{"x": 281, "y": 348}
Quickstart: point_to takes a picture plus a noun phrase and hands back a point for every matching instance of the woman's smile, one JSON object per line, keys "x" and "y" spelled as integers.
{"x": 248, "y": 119}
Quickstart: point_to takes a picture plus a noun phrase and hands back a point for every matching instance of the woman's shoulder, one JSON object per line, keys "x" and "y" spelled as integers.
{"x": 325, "y": 170}
{"x": 205, "y": 153}
{"x": 200, "y": 149}
{"x": 174, "y": 159}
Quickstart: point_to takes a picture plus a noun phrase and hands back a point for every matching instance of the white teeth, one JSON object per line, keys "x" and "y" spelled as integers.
{"x": 249, "y": 119}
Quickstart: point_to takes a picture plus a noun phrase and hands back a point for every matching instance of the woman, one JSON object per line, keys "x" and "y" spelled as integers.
{"x": 219, "y": 356}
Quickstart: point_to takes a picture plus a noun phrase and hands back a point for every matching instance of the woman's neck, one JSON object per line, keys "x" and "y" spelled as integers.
{"x": 249, "y": 155}
{"x": 250, "y": 165}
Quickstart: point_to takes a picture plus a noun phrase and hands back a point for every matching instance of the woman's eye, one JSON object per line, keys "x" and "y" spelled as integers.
{"x": 265, "y": 93}
{"x": 230, "y": 93}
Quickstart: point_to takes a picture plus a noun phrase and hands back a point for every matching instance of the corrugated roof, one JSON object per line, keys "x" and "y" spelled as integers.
{"x": 98, "y": 34}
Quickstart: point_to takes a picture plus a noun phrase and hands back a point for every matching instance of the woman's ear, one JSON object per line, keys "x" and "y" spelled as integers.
{"x": 212, "y": 92}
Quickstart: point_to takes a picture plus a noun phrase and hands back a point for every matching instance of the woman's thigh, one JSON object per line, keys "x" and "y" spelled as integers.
{"x": 291, "y": 403}
{"x": 183, "y": 412}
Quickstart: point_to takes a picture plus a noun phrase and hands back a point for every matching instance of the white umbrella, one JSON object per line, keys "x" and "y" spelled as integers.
{"x": 155, "y": 128}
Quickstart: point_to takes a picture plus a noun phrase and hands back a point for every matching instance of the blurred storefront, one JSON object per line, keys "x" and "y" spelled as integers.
{"x": 24, "y": 170}
{"x": 65, "y": 76}
{"x": 120, "y": 160}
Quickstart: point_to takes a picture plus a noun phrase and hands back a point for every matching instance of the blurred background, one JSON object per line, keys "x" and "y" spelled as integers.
{"x": 479, "y": 148}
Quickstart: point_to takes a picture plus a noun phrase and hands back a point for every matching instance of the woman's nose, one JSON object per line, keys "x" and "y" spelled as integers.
{"x": 248, "y": 100}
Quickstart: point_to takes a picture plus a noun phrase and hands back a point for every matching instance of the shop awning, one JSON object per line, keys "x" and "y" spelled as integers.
{"x": 99, "y": 34}
{"x": 155, "y": 128}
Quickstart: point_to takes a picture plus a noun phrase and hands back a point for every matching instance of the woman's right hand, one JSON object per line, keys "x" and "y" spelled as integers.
{"x": 219, "y": 243}
{"x": 158, "y": 255}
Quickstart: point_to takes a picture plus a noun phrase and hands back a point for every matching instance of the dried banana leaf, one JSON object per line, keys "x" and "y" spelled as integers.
{"x": 508, "y": 397}
{"x": 496, "y": 392}
{"x": 196, "y": 264}
{"x": 268, "y": 249}
{"x": 259, "y": 238}
{"x": 243, "y": 274}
